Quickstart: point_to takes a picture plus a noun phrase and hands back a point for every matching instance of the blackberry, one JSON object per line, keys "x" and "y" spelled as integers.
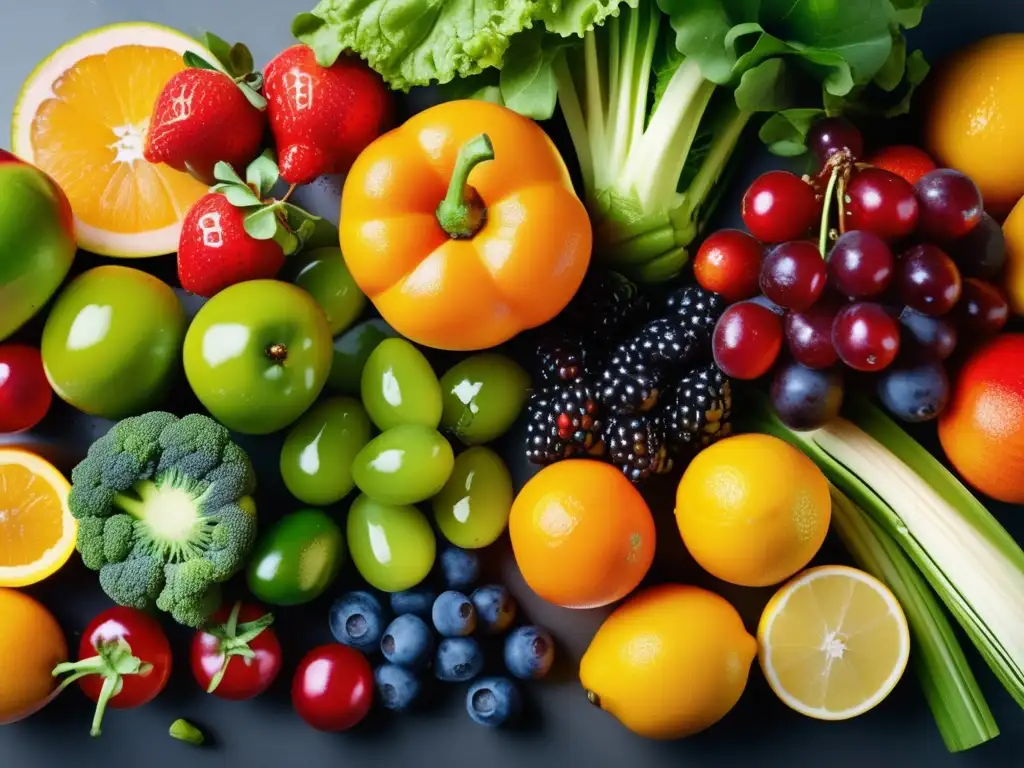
{"x": 628, "y": 384}
{"x": 700, "y": 411}
{"x": 662, "y": 343}
{"x": 562, "y": 421}
{"x": 637, "y": 445}
{"x": 604, "y": 306}
{"x": 560, "y": 359}
{"x": 697, "y": 310}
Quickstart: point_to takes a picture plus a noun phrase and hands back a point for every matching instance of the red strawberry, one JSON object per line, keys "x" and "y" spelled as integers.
{"x": 204, "y": 115}
{"x": 322, "y": 117}
{"x": 904, "y": 160}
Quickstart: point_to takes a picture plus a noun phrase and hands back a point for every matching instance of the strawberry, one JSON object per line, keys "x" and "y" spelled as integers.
{"x": 235, "y": 234}
{"x": 322, "y": 117}
{"x": 904, "y": 160}
{"x": 205, "y": 115}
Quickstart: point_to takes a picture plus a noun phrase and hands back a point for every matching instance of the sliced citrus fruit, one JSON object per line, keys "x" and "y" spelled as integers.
{"x": 833, "y": 642}
{"x": 37, "y": 531}
{"x": 82, "y": 117}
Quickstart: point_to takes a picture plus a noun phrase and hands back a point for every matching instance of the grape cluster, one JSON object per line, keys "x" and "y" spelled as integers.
{"x": 898, "y": 273}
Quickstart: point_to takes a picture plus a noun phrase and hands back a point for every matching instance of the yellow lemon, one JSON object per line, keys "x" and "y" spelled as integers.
{"x": 1013, "y": 276}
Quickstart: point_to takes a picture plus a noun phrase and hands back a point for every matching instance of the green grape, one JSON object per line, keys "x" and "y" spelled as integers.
{"x": 404, "y": 465}
{"x": 399, "y": 386}
{"x": 296, "y": 559}
{"x": 316, "y": 459}
{"x": 351, "y": 351}
{"x": 322, "y": 273}
{"x": 473, "y": 507}
{"x": 392, "y": 545}
{"x": 483, "y": 396}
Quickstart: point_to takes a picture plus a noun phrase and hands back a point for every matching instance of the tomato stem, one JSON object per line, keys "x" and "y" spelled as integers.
{"x": 233, "y": 640}
{"x": 462, "y": 213}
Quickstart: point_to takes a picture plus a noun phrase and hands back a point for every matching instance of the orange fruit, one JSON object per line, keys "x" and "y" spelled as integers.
{"x": 974, "y": 117}
{"x": 982, "y": 428}
{"x": 1013, "y": 272}
{"x": 37, "y": 531}
{"x": 582, "y": 535}
{"x": 31, "y": 645}
{"x": 753, "y": 510}
{"x": 82, "y": 117}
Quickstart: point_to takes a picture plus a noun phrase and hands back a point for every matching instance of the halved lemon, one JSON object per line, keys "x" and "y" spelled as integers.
{"x": 833, "y": 642}
{"x": 37, "y": 531}
{"x": 82, "y": 117}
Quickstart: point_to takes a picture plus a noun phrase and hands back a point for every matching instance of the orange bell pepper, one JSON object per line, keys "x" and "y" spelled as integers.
{"x": 462, "y": 226}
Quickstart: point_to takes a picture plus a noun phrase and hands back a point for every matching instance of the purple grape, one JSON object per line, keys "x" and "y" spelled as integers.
{"x": 806, "y": 399}
{"x": 949, "y": 204}
{"x": 860, "y": 265}
{"x": 914, "y": 391}
{"x": 928, "y": 280}
{"x": 936, "y": 336}
{"x": 981, "y": 252}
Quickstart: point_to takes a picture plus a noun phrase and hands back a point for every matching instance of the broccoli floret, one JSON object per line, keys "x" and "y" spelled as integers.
{"x": 165, "y": 512}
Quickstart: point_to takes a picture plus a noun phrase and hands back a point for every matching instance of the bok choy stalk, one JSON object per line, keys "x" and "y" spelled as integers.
{"x": 957, "y": 703}
{"x": 968, "y": 558}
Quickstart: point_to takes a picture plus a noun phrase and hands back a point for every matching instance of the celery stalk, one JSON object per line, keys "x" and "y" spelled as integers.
{"x": 957, "y": 703}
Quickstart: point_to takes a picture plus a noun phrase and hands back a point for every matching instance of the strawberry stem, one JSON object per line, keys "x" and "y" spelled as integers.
{"x": 288, "y": 194}
{"x": 462, "y": 213}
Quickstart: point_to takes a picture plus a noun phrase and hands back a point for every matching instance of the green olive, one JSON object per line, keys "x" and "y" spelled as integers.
{"x": 392, "y": 546}
{"x": 483, "y": 396}
{"x": 399, "y": 386}
{"x": 473, "y": 507}
{"x": 404, "y": 465}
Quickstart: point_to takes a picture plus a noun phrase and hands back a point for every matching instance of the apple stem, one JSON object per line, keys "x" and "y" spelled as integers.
{"x": 277, "y": 352}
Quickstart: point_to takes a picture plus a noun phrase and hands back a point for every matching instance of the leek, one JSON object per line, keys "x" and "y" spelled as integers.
{"x": 968, "y": 558}
{"x": 957, "y": 703}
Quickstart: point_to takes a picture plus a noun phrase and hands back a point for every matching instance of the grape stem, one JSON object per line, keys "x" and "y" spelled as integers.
{"x": 825, "y": 205}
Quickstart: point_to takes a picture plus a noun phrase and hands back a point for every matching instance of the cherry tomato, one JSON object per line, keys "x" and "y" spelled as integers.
{"x": 333, "y": 687}
{"x": 238, "y": 655}
{"x": 25, "y": 393}
{"x": 124, "y": 661}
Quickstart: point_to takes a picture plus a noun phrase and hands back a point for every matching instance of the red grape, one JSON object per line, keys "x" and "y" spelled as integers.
{"x": 982, "y": 251}
{"x": 928, "y": 280}
{"x": 747, "y": 340}
{"x": 804, "y": 398}
{"x": 793, "y": 274}
{"x": 865, "y": 336}
{"x": 950, "y": 204}
{"x": 828, "y": 136}
{"x": 914, "y": 391}
{"x": 779, "y": 206}
{"x": 25, "y": 394}
{"x": 728, "y": 263}
{"x": 860, "y": 264}
{"x": 934, "y": 335}
{"x": 881, "y": 203}
{"x": 809, "y": 335}
{"x": 982, "y": 307}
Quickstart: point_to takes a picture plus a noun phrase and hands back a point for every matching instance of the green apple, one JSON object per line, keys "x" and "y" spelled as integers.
{"x": 257, "y": 355}
{"x": 322, "y": 273}
{"x": 112, "y": 342}
{"x": 37, "y": 241}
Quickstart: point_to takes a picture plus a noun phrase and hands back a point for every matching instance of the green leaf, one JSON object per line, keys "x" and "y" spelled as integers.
{"x": 527, "y": 80}
{"x": 764, "y": 88}
{"x": 764, "y": 48}
{"x": 196, "y": 61}
{"x": 219, "y": 47}
{"x": 224, "y": 172}
{"x": 908, "y": 12}
{"x": 288, "y": 240}
{"x": 262, "y": 173}
{"x": 255, "y": 98}
{"x": 705, "y": 30}
{"x": 785, "y": 132}
{"x": 241, "y": 60}
{"x": 262, "y": 224}
{"x": 238, "y": 195}
{"x": 415, "y": 42}
{"x": 891, "y": 73}
{"x": 569, "y": 18}
{"x": 830, "y": 68}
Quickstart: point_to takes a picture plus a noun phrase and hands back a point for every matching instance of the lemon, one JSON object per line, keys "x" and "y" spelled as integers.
{"x": 833, "y": 642}
{"x": 669, "y": 662}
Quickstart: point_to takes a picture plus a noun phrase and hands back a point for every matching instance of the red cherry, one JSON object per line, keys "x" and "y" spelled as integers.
{"x": 25, "y": 394}
{"x": 865, "y": 336}
{"x": 793, "y": 274}
{"x": 779, "y": 206}
{"x": 982, "y": 307}
{"x": 728, "y": 263}
{"x": 881, "y": 203}
{"x": 747, "y": 340}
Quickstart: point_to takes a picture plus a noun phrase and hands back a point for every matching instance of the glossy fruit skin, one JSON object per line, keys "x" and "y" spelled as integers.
{"x": 459, "y": 568}
{"x": 112, "y": 342}
{"x": 793, "y": 274}
{"x": 482, "y": 397}
{"x": 905, "y": 160}
{"x": 458, "y": 659}
{"x": 495, "y": 608}
{"x": 453, "y": 614}
{"x": 244, "y": 678}
{"x": 408, "y": 642}
{"x": 881, "y": 203}
{"x": 358, "y": 619}
{"x": 296, "y": 559}
{"x": 915, "y": 391}
{"x": 322, "y": 273}
{"x": 529, "y": 652}
{"x": 700, "y": 646}
{"x": 418, "y": 601}
{"x": 1013, "y": 273}
{"x": 981, "y": 252}
{"x": 982, "y": 428}
{"x": 438, "y": 291}
{"x": 605, "y": 546}
{"x": 410, "y": 547}
{"x": 399, "y": 387}
{"x": 333, "y": 687}
{"x": 747, "y": 340}
{"x": 809, "y": 335}
{"x": 31, "y": 645}
{"x": 832, "y": 134}
{"x": 317, "y": 455}
{"x": 860, "y": 265}
{"x": 982, "y": 307}
{"x": 779, "y": 206}
{"x": 728, "y": 263}
{"x": 804, "y": 398}
{"x": 397, "y": 687}
{"x": 351, "y": 351}
{"x": 950, "y": 204}
{"x": 472, "y": 509}
{"x": 493, "y": 702}
{"x": 404, "y": 465}
{"x": 865, "y": 336}
{"x": 37, "y": 241}
{"x": 233, "y": 350}
{"x": 25, "y": 394}
{"x": 928, "y": 280}
{"x": 936, "y": 336}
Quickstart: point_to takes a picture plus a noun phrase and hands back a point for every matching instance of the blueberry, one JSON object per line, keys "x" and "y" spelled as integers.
{"x": 453, "y": 614}
{"x": 461, "y": 568}
{"x": 408, "y": 641}
{"x": 529, "y": 652}
{"x": 493, "y": 701}
{"x": 397, "y": 687}
{"x": 495, "y": 608}
{"x": 416, "y": 601}
{"x": 357, "y": 619}
{"x": 458, "y": 659}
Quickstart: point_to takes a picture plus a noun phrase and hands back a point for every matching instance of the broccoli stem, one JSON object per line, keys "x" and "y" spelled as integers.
{"x": 169, "y": 510}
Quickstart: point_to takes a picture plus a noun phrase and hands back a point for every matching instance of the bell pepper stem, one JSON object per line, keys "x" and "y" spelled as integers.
{"x": 462, "y": 213}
